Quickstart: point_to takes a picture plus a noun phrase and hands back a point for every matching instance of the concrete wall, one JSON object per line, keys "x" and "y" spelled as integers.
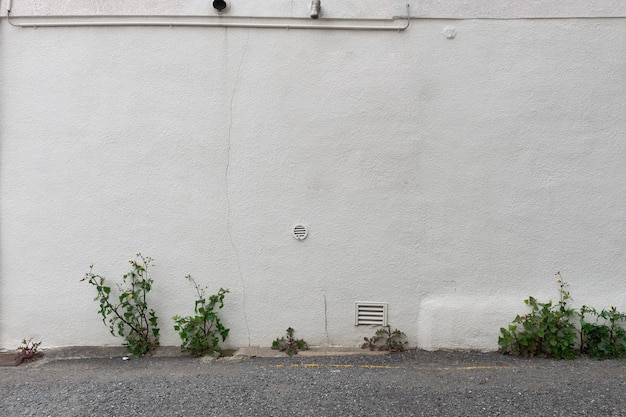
{"x": 448, "y": 176}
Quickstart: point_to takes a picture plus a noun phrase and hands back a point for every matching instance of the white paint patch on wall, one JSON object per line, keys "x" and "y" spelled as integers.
{"x": 428, "y": 170}
{"x": 464, "y": 321}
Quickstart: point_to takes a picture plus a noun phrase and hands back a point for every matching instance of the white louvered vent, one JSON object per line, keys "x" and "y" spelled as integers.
{"x": 300, "y": 231}
{"x": 370, "y": 313}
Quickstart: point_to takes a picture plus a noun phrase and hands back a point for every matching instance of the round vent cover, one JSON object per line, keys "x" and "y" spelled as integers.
{"x": 300, "y": 231}
{"x": 221, "y": 6}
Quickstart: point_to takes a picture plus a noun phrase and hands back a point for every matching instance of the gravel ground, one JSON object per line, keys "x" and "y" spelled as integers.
{"x": 411, "y": 384}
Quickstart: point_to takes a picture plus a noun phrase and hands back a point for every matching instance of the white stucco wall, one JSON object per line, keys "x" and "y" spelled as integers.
{"x": 449, "y": 178}
{"x": 345, "y": 9}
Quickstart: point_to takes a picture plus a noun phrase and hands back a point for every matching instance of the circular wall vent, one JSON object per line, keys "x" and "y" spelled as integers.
{"x": 221, "y": 6}
{"x": 300, "y": 231}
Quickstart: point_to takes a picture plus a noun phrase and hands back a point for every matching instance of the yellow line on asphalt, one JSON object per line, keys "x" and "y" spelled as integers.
{"x": 337, "y": 365}
{"x": 331, "y": 365}
{"x": 380, "y": 367}
{"x": 472, "y": 368}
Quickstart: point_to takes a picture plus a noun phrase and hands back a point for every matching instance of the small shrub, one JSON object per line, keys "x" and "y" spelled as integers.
{"x": 546, "y": 331}
{"x": 386, "y": 339}
{"x": 289, "y": 344}
{"x": 200, "y": 334}
{"x": 130, "y": 316}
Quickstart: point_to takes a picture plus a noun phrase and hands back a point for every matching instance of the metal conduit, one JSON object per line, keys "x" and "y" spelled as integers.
{"x": 85, "y": 23}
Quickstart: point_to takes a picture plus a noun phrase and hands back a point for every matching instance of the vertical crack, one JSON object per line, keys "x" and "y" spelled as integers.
{"x": 228, "y": 169}
{"x": 326, "y": 321}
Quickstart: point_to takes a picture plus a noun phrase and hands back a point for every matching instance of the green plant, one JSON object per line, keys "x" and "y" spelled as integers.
{"x": 289, "y": 344}
{"x": 546, "y": 331}
{"x": 200, "y": 334}
{"x": 386, "y": 339}
{"x": 604, "y": 338}
{"x": 129, "y": 316}
{"x": 28, "y": 350}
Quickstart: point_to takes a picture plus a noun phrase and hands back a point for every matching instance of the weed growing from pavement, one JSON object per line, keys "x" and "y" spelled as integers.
{"x": 200, "y": 334}
{"x": 289, "y": 344}
{"x": 28, "y": 350}
{"x": 551, "y": 330}
{"x": 604, "y": 337}
{"x": 130, "y": 316}
{"x": 386, "y": 339}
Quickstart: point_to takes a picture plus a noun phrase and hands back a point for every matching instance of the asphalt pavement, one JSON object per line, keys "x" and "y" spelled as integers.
{"x": 414, "y": 383}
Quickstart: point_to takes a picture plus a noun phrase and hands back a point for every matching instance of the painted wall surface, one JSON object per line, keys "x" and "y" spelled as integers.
{"x": 345, "y": 9}
{"x": 449, "y": 176}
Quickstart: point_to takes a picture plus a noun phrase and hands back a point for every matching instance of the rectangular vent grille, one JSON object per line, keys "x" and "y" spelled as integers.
{"x": 367, "y": 313}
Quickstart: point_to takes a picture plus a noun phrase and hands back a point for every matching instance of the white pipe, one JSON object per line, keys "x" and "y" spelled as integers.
{"x": 315, "y": 9}
{"x": 210, "y": 24}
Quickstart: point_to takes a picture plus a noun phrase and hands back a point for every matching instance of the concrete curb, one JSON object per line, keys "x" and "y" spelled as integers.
{"x": 267, "y": 352}
{"x": 93, "y": 352}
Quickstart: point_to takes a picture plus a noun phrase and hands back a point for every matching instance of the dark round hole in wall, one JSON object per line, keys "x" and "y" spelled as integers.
{"x": 219, "y": 5}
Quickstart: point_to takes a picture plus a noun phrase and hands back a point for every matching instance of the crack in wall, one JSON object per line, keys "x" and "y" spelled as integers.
{"x": 326, "y": 320}
{"x": 228, "y": 168}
